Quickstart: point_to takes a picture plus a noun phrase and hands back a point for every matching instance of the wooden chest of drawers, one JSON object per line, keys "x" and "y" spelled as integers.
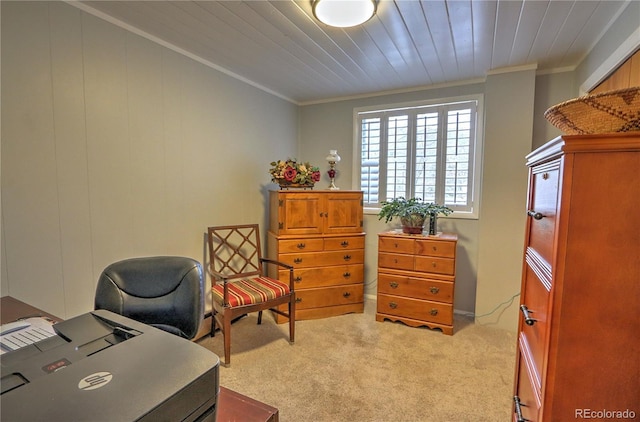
{"x": 578, "y": 348}
{"x": 320, "y": 235}
{"x": 416, "y": 276}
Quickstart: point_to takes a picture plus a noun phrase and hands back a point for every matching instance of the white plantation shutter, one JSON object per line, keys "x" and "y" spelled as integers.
{"x": 419, "y": 151}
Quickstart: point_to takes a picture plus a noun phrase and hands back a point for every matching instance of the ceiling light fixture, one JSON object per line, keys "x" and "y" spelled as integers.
{"x": 343, "y": 13}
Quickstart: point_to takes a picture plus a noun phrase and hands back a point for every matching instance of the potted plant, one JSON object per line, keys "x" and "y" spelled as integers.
{"x": 412, "y": 213}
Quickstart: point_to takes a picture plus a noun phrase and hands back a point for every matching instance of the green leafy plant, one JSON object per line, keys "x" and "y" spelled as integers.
{"x": 412, "y": 212}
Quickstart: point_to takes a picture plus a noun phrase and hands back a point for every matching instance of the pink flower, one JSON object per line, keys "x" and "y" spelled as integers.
{"x": 315, "y": 176}
{"x": 290, "y": 174}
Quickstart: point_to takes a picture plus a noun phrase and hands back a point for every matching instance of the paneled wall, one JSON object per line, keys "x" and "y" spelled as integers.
{"x": 115, "y": 147}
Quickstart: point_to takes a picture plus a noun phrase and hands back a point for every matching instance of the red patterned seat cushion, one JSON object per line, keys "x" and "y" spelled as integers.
{"x": 248, "y": 291}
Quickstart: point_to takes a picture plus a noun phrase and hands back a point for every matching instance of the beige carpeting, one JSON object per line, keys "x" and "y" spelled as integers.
{"x": 352, "y": 368}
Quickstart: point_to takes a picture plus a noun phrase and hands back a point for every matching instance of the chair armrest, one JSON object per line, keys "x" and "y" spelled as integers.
{"x": 216, "y": 275}
{"x": 281, "y": 264}
{"x": 273, "y": 261}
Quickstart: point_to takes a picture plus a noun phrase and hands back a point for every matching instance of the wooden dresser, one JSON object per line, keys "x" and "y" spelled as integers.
{"x": 320, "y": 234}
{"x": 578, "y": 340}
{"x": 416, "y": 276}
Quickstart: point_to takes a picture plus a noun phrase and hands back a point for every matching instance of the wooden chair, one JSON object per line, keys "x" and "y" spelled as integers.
{"x": 239, "y": 282}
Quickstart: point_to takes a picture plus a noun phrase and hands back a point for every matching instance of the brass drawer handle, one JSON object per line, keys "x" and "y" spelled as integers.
{"x": 434, "y": 290}
{"x": 346, "y": 275}
{"x": 434, "y": 312}
{"x": 393, "y": 305}
{"x": 298, "y": 299}
{"x": 527, "y": 318}
{"x": 344, "y": 244}
{"x": 393, "y": 285}
{"x": 346, "y": 294}
{"x": 434, "y": 264}
{"x": 298, "y": 279}
{"x": 301, "y": 246}
{"x": 297, "y": 260}
{"x": 435, "y": 248}
{"x": 347, "y": 257}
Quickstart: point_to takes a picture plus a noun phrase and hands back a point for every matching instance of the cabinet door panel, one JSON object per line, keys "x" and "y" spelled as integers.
{"x": 536, "y": 298}
{"x": 525, "y": 392}
{"x": 343, "y": 212}
{"x": 544, "y": 202}
{"x": 300, "y": 214}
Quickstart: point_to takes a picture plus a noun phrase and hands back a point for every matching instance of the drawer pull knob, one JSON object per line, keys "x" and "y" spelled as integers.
{"x": 297, "y": 260}
{"x": 347, "y": 257}
{"x": 527, "y": 318}
{"x": 346, "y": 294}
{"x": 393, "y": 285}
{"x": 395, "y": 245}
{"x": 298, "y": 279}
{"x": 517, "y": 409}
{"x": 433, "y": 264}
{"x": 435, "y": 248}
{"x": 434, "y": 290}
{"x": 344, "y": 244}
{"x": 535, "y": 215}
{"x": 346, "y": 275}
{"x": 393, "y": 305}
{"x": 301, "y": 245}
{"x": 433, "y": 312}
{"x": 298, "y": 299}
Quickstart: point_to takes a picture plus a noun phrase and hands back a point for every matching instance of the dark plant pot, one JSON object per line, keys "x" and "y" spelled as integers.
{"x": 413, "y": 224}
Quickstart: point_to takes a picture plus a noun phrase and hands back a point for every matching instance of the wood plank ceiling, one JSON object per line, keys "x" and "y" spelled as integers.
{"x": 280, "y": 47}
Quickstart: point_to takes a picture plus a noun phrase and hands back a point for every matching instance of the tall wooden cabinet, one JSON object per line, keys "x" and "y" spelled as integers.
{"x": 416, "y": 275}
{"x": 579, "y": 330}
{"x": 320, "y": 234}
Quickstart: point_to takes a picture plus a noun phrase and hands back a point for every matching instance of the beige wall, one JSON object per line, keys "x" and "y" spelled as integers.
{"x": 330, "y": 126}
{"x": 114, "y": 147}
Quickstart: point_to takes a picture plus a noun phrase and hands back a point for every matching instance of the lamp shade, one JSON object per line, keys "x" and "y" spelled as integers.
{"x": 333, "y": 156}
{"x": 343, "y": 13}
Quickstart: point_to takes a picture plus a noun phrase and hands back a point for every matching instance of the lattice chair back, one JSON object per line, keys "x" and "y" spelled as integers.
{"x": 235, "y": 250}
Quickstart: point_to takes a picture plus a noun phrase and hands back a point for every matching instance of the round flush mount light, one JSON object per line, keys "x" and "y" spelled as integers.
{"x": 343, "y": 13}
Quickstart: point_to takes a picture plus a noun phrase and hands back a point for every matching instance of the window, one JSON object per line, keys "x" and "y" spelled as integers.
{"x": 424, "y": 151}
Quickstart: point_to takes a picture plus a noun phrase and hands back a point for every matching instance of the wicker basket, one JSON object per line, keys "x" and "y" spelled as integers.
{"x": 607, "y": 112}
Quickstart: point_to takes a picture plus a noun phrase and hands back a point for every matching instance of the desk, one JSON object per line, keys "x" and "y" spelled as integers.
{"x": 232, "y": 406}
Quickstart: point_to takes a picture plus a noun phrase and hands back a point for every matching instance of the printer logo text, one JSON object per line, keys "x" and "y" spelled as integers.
{"x": 96, "y": 380}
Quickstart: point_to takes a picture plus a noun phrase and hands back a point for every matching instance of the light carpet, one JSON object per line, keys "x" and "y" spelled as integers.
{"x": 352, "y": 368}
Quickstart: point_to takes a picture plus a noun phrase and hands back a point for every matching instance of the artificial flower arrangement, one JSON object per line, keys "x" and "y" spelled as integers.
{"x": 290, "y": 171}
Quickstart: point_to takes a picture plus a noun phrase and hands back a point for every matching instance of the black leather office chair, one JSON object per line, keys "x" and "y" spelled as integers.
{"x": 166, "y": 292}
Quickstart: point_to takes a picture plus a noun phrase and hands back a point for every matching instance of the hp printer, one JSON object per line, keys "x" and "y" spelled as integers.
{"x": 104, "y": 367}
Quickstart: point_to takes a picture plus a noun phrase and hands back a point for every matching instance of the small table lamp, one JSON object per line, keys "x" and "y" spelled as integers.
{"x": 333, "y": 158}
